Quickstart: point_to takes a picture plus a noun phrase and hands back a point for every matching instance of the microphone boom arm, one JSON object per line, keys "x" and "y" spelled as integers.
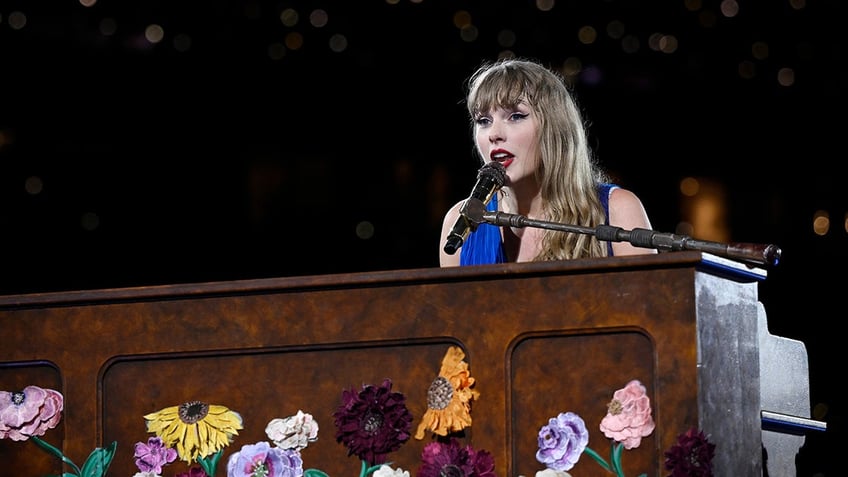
{"x": 761, "y": 254}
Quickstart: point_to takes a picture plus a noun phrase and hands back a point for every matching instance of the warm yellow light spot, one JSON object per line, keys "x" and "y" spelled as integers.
{"x": 571, "y": 67}
{"x": 692, "y": 5}
{"x": 461, "y": 19}
{"x": 294, "y": 41}
{"x": 587, "y": 35}
{"x": 747, "y": 69}
{"x": 6, "y": 138}
{"x": 704, "y": 208}
{"x": 798, "y": 4}
{"x": 545, "y": 5}
{"x": 276, "y": 51}
{"x": 469, "y": 33}
{"x": 707, "y": 19}
{"x": 615, "y": 29}
{"x": 154, "y": 33}
{"x": 689, "y": 186}
{"x": 668, "y": 44}
{"x": 33, "y": 185}
{"x": 289, "y": 17}
{"x": 17, "y": 20}
{"x": 786, "y": 76}
{"x": 654, "y": 41}
{"x": 821, "y": 222}
{"x": 760, "y": 50}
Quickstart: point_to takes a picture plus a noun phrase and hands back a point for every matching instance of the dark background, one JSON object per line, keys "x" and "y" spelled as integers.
{"x": 241, "y": 146}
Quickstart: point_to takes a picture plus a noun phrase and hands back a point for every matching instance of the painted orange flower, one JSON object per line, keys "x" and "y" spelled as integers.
{"x": 449, "y": 397}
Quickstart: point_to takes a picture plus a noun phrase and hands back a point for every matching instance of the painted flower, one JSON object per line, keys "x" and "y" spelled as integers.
{"x": 30, "y": 412}
{"x": 193, "y": 472}
{"x": 195, "y": 428}
{"x": 449, "y": 397}
{"x": 386, "y": 471}
{"x": 262, "y": 460}
{"x": 628, "y": 417}
{"x": 552, "y": 473}
{"x": 562, "y": 441}
{"x": 152, "y": 456}
{"x": 691, "y": 455}
{"x": 293, "y": 432}
{"x": 565, "y": 438}
{"x": 450, "y": 459}
{"x": 373, "y": 422}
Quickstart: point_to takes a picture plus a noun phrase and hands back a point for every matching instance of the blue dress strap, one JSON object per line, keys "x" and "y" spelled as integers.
{"x": 484, "y": 245}
{"x": 604, "y": 192}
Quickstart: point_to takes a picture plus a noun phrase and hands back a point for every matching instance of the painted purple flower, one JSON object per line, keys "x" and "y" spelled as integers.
{"x": 262, "y": 460}
{"x": 373, "y": 422}
{"x": 152, "y": 456}
{"x": 30, "y": 412}
{"x": 691, "y": 456}
{"x": 561, "y": 441}
{"x": 440, "y": 459}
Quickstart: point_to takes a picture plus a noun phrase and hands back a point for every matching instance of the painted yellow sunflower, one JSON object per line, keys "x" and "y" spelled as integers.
{"x": 196, "y": 429}
{"x": 449, "y": 397}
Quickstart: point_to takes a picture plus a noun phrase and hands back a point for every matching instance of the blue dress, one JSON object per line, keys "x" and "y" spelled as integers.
{"x": 484, "y": 245}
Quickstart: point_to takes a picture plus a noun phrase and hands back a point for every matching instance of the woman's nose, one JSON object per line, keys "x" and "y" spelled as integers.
{"x": 496, "y": 133}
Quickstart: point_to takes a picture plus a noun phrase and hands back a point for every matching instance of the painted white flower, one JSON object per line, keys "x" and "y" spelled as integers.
{"x": 386, "y": 471}
{"x": 293, "y": 432}
{"x": 552, "y": 473}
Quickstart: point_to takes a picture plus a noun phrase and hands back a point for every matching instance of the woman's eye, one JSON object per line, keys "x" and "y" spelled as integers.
{"x": 518, "y": 116}
{"x": 482, "y": 121}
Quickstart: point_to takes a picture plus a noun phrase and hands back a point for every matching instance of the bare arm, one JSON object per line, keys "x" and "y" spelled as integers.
{"x": 446, "y": 260}
{"x": 626, "y": 211}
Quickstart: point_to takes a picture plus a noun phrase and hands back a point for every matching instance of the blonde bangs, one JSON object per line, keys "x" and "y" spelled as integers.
{"x": 498, "y": 88}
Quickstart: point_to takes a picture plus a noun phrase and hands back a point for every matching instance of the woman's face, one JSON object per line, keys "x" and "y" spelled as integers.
{"x": 509, "y": 136}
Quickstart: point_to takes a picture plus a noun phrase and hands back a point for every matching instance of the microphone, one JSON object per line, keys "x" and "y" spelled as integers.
{"x": 490, "y": 178}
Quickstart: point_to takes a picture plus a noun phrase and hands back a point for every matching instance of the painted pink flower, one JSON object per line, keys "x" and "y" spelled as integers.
{"x": 30, "y": 412}
{"x": 628, "y": 417}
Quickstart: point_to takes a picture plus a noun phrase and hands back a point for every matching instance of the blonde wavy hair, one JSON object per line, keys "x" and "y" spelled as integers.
{"x": 568, "y": 173}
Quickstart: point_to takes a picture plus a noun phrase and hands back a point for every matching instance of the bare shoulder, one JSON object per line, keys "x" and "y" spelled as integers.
{"x": 627, "y": 211}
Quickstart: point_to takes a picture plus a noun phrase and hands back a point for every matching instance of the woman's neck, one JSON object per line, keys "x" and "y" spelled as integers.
{"x": 522, "y": 201}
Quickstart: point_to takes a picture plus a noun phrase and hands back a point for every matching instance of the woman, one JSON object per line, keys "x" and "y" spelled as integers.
{"x": 525, "y": 118}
